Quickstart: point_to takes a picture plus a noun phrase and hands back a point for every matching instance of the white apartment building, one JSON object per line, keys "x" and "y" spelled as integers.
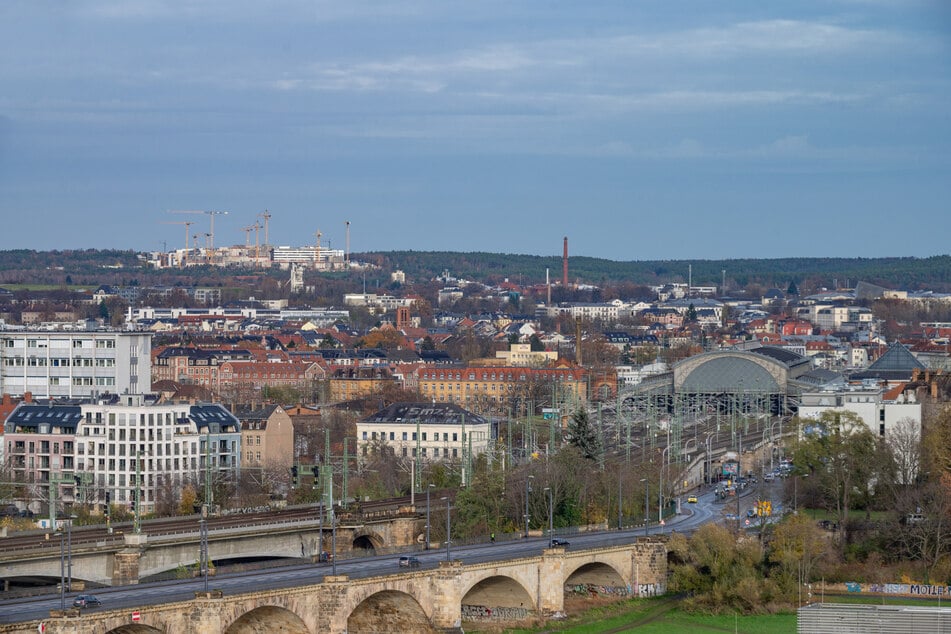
{"x": 880, "y": 411}
{"x": 74, "y": 364}
{"x": 433, "y": 431}
{"x": 101, "y": 451}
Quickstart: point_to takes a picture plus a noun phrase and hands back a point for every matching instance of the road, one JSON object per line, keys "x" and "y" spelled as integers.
{"x": 135, "y": 596}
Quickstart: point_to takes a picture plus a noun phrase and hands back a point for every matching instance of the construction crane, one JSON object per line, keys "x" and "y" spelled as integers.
{"x": 211, "y": 214}
{"x": 247, "y": 234}
{"x": 317, "y": 252}
{"x": 187, "y": 224}
{"x": 267, "y": 216}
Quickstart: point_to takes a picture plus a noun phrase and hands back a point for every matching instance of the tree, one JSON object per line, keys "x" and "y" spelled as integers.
{"x": 796, "y": 547}
{"x": 838, "y": 454}
{"x": 583, "y": 435}
{"x": 792, "y": 289}
{"x": 536, "y": 343}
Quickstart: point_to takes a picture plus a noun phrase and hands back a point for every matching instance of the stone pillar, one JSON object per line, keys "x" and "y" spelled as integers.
{"x": 551, "y": 587}
{"x": 648, "y": 568}
{"x": 333, "y": 607}
{"x": 125, "y": 567}
{"x": 447, "y": 601}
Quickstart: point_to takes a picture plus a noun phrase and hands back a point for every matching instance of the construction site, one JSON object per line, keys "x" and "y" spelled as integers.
{"x": 256, "y": 252}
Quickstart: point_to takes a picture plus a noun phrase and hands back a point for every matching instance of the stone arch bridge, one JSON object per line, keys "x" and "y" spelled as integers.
{"x": 140, "y": 555}
{"x": 422, "y": 601}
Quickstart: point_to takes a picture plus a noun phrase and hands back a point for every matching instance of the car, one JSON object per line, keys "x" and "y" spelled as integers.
{"x": 86, "y": 601}
{"x": 409, "y": 562}
{"x": 560, "y": 543}
{"x": 692, "y": 499}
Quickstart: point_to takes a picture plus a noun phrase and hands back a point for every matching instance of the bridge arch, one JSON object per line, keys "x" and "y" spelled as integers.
{"x": 389, "y": 611}
{"x": 135, "y": 628}
{"x": 596, "y": 577}
{"x": 268, "y": 618}
{"x": 367, "y": 540}
{"x": 497, "y": 597}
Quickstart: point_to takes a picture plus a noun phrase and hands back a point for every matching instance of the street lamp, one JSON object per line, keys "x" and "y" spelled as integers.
{"x": 647, "y": 517}
{"x": 528, "y": 490}
{"x": 708, "y": 475}
{"x": 62, "y": 569}
{"x": 551, "y": 517}
{"x": 660, "y": 486}
{"x": 203, "y": 544}
{"x": 428, "y": 489}
{"x": 448, "y": 528}
{"x": 619, "y": 498}
{"x": 69, "y": 553}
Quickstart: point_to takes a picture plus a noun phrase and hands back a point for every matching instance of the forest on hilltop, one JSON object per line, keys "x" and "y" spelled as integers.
{"x": 94, "y": 266}
{"x": 905, "y": 273}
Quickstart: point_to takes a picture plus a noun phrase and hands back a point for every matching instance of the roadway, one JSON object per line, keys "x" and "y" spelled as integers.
{"x": 136, "y": 596}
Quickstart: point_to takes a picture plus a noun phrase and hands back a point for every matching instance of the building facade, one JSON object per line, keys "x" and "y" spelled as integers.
{"x": 429, "y": 431}
{"x": 124, "y": 449}
{"x": 74, "y": 364}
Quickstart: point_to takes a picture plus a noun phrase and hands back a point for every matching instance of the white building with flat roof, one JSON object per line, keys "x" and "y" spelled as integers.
{"x": 74, "y": 364}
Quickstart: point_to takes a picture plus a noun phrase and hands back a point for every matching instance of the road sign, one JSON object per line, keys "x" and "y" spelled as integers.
{"x": 136, "y": 616}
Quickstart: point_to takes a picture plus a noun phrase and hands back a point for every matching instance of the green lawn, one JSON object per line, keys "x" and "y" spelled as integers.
{"x": 658, "y": 616}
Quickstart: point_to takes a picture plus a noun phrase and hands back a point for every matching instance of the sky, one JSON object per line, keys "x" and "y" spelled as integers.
{"x": 641, "y": 130}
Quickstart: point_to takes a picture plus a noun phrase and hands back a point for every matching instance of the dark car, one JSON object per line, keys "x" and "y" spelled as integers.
{"x": 409, "y": 562}
{"x": 86, "y": 601}
{"x": 563, "y": 543}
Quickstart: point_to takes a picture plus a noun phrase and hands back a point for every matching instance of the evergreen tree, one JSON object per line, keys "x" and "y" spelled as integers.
{"x": 583, "y": 435}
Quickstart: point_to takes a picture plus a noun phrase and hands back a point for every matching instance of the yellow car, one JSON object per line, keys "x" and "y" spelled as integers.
{"x": 692, "y": 499}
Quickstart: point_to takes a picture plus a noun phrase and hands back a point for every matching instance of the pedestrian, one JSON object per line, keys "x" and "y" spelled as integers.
{"x": 492, "y": 538}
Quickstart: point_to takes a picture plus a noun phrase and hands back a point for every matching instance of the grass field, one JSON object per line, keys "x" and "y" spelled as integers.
{"x": 654, "y": 616}
{"x": 663, "y": 616}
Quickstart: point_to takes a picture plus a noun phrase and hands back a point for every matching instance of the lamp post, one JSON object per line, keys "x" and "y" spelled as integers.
{"x": 647, "y": 517}
{"x": 428, "y": 489}
{"x": 551, "y": 517}
{"x": 619, "y": 498}
{"x": 69, "y": 553}
{"x": 660, "y": 486}
{"x": 448, "y": 529}
{"x": 528, "y": 490}
{"x": 708, "y": 475}
{"x": 62, "y": 570}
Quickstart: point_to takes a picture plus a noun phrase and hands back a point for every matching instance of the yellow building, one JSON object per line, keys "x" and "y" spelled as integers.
{"x": 499, "y": 389}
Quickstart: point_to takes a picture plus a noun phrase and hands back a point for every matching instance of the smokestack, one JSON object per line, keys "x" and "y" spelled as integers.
{"x": 564, "y": 265}
{"x": 547, "y": 286}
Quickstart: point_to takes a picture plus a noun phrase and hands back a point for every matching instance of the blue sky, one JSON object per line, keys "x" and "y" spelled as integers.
{"x": 640, "y": 130}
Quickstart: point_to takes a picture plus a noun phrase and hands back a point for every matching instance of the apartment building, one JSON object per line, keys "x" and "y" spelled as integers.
{"x": 267, "y": 437}
{"x": 431, "y": 431}
{"x": 74, "y": 364}
{"x": 495, "y": 389}
{"x": 120, "y": 447}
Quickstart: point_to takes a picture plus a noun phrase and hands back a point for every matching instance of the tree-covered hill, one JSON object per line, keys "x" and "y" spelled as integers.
{"x": 908, "y": 273}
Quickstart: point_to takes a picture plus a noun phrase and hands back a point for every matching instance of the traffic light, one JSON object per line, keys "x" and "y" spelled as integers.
{"x": 294, "y": 480}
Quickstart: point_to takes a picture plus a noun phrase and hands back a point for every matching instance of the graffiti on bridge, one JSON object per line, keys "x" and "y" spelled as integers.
{"x": 646, "y": 590}
{"x": 483, "y": 613}
{"x": 592, "y": 589}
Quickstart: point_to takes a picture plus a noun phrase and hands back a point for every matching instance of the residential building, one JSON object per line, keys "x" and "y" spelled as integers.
{"x": 120, "y": 447}
{"x": 496, "y": 389}
{"x": 521, "y": 355}
{"x": 430, "y": 431}
{"x": 267, "y": 437}
{"x": 74, "y": 364}
{"x": 882, "y": 411}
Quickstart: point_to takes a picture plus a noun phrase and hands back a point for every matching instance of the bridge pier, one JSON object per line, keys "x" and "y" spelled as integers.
{"x": 551, "y": 589}
{"x": 447, "y": 607}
